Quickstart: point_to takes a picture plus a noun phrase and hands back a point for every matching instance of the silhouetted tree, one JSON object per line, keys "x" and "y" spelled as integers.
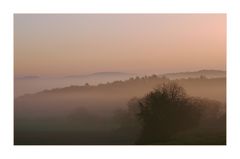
{"x": 164, "y": 112}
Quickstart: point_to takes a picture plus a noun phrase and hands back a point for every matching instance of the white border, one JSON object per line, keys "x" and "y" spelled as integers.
{"x": 8, "y": 8}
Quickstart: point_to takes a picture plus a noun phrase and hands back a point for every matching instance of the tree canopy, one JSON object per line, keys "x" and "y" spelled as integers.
{"x": 165, "y": 111}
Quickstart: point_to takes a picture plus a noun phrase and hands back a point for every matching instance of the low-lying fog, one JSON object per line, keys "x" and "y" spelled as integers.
{"x": 98, "y": 114}
{"x": 26, "y": 85}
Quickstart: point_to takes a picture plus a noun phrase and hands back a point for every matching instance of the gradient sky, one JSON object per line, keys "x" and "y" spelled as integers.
{"x": 59, "y": 45}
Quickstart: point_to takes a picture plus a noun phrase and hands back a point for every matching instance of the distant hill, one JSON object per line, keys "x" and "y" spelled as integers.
{"x": 206, "y": 73}
{"x": 98, "y": 74}
{"x": 27, "y": 77}
{"x": 139, "y": 86}
{"x": 193, "y": 74}
{"x": 33, "y": 84}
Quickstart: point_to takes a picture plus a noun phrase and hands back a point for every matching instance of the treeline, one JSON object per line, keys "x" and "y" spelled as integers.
{"x": 213, "y": 88}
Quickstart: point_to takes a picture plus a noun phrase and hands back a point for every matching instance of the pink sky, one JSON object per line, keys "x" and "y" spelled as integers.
{"x": 56, "y": 45}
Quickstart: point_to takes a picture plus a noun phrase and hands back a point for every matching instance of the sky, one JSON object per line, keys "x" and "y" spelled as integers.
{"x": 73, "y": 44}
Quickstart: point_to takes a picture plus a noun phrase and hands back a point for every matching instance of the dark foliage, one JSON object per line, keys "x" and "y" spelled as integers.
{"x": 164, "y": 112}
